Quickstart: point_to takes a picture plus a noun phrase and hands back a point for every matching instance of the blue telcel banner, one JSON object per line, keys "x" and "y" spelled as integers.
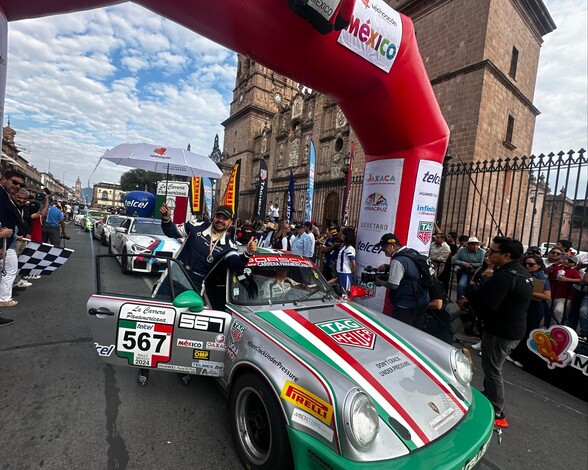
{"x": 310, "y": 189}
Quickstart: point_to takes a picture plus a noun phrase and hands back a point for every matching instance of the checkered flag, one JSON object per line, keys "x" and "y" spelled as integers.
{"x": 42, "y": 258}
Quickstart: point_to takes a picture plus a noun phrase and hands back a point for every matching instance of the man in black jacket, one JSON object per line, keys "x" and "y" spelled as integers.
{"x": 501, "y": 303}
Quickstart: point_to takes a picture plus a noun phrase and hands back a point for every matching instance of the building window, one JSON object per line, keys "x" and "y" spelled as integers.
{"x": 514, "y": 59}
{"x": 105, "y": 195}
{"x": 509, "y": 133}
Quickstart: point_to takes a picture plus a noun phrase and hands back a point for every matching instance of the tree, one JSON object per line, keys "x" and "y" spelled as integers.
{"x": 141, "y": 180}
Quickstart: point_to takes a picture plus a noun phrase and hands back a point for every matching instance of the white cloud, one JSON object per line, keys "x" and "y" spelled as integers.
{"x": 562, "y": 85}
{"x": 78, "y": 84}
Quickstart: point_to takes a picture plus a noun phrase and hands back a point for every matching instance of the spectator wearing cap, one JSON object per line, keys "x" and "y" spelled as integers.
{"x": 439, "y": 252}
{"x": 302, "y": 243}
{"x": 345, "y": 261}
{"x": 468, "y": 259}
{"x": 330, "y": 249}
{"x": 409, "y": 301}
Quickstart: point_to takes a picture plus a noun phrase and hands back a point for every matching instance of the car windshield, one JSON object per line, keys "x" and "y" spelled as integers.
{"x": 147, "y": 227}
{"x": 115, "y": 220}
{"x": 277, "y": 280}
{"x": 97, "y": 215}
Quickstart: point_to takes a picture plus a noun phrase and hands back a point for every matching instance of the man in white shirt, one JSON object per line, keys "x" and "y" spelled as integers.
{"x": 308, "y": 229}
{"x": 439, "y": 252}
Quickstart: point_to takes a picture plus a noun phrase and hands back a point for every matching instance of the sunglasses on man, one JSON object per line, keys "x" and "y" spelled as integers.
{"x": 18, "y": 183}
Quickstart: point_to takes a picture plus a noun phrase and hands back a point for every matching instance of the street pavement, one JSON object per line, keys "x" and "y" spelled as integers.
{"x": 63, "y": 407}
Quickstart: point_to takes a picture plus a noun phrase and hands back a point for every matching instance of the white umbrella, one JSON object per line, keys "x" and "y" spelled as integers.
{"x": 168, "y": 160}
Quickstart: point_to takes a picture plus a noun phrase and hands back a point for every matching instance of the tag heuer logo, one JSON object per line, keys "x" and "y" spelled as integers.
{"x": 349, "y": 333}
{"x": 263, "y": 174}
{"x": 425, "y": 232}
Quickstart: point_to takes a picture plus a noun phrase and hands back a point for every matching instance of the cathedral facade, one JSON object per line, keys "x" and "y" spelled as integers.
{"x": 481, "y": 58}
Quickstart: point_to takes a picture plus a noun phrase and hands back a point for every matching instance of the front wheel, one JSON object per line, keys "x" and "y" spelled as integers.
{"x": 258, "y": 425}
{"x": 125, "y": 263}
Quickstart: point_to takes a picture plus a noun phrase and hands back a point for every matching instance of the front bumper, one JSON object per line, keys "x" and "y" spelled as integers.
{"x": 460, "y": 448}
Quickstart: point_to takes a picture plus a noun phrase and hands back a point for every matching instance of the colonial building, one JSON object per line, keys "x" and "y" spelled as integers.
{"x": 108, "y": 195}
{"x": 481, "y": 57}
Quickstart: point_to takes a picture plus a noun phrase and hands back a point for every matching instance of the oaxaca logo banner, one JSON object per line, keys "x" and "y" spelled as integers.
{"x": 231, "y": 195}
{"x": 261, "y": 194}
{"x": 310, "y": 188}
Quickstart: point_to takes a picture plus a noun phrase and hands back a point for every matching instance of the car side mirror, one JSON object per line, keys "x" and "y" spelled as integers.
{"x": 189, "y": 299}
{"x": 121, "y": 229}
{"x": 357, "y": 291}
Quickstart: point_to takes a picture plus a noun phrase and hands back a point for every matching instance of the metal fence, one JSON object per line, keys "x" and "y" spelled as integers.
{"x": 536, "y": 199}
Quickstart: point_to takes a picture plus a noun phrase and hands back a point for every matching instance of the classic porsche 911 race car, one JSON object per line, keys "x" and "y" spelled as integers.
{"x": 143, "y": 236}
{"x": 313, "y": 380}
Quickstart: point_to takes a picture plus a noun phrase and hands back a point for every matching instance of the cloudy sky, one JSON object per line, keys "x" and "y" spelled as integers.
{"x": 81, "y": 83}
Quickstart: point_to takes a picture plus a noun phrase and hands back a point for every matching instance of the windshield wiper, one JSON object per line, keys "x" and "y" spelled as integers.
{"x": 304, "y": 297}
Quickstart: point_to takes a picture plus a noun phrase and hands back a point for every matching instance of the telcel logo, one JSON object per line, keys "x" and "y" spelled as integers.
{"x": 369, "y": 247}
{"x": 431, "y": 178}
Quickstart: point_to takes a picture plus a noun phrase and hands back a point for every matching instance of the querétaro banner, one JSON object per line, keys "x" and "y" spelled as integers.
{"x": 207, "y": 190}
{"x": 231, "y": 195}
{"x": 261, "y": 193}
{"x": 290, "y": 207}
{"x": 310, "y": 188}
{"x": 42, "y": 259}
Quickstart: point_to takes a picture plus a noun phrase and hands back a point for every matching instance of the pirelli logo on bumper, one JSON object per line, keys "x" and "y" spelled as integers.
{"x": 302, "y": 398}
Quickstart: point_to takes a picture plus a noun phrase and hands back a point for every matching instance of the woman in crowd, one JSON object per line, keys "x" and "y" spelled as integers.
{"x": 538, "y": 307}
{"x": 280, "y": 241}
{"x": 345, "y": 264}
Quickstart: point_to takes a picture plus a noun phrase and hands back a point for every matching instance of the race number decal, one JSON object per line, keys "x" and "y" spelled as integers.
{"x": 145, "y": 343}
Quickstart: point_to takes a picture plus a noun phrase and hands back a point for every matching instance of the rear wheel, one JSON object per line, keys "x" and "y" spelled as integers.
{"x": 103, "y": 240}
{"x": 258, "y": 425}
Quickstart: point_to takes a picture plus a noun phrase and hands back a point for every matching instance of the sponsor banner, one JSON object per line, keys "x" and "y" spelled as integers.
{"x": 310, "y": 187}
{"x": 374, "y": 33}
{"x": 144, "y": 344}
{"x": 305, "y": 419}
{"x": 424, "y": 206}
{"x": 237, "y": 330}
{"x": 207, "y": 190}
{"x": 212, "y": 368}
{"x": 196, "y": 195}
{"x": 261, "y": 193}
{"x": 104, "y": 351}
{"x": 290, "y": 206}
{"x": 193, "y": 321}
{"x": 3, "y": 56}
{"x": 231, "y": 195}
{"x": 308, "y": 401}
{"x": 216, "y": 346}
{"x": 174, "y": 188}
{"x": 148, "y": 313}
{"x": 201, "y": 354}
{"x": 325, "y": 8}
{"x": 379, "y": 203}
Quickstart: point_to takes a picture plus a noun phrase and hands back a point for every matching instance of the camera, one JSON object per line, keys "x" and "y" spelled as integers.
{"x": 40, "y": 197}
{"x": 370, "y": 274}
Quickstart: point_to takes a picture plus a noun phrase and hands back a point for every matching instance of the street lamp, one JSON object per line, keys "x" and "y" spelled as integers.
{"x": 346, "y": 162}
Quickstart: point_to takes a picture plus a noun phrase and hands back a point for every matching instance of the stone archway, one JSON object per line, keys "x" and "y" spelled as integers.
{"x": 331, "y": 213}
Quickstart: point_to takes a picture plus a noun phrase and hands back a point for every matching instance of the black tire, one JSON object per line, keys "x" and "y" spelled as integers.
{"x": 110, "y": 252}
{"x": 258, "y": 425}
{"x": 103, "y": 239}
{"x": 124, "y": 263}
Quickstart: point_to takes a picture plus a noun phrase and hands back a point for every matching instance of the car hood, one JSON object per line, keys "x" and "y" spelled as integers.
{"x": 414, "y": 395}
{"x": 164, "y": 243}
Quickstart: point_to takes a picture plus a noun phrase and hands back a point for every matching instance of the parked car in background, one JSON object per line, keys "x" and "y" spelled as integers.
{"x": 87, "y": 221}
{"x": 312, "y": 380}
{"x": 105, "y": 226}
{"x": 144, "y": 236}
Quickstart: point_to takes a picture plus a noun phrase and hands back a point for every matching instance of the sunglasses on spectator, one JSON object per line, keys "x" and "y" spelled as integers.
{"x": 530, "y": 265}
{"x": 18, "y": 183}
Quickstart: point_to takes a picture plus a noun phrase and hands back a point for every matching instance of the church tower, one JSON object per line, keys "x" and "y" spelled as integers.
{"x": 78, "y": 189}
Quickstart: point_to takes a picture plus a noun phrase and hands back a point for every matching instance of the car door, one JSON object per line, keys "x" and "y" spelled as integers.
{"x": 175, "y": 333}
{"x": 119, "y": 235}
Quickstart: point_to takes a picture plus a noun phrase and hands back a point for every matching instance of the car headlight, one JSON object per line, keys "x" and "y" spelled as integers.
{"x": 361, "y": 419}
{"x": 462, "y": 367}
{"x": 138, "y": 248}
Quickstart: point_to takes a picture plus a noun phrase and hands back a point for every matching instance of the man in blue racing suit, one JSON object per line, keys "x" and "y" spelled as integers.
{"x": 205, "y": 245}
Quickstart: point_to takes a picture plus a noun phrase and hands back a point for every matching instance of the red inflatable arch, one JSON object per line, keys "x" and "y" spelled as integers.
{"x": 372, "y": 69}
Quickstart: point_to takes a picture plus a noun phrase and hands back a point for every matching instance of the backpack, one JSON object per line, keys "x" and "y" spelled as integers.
{"x": 424, "y": 266}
